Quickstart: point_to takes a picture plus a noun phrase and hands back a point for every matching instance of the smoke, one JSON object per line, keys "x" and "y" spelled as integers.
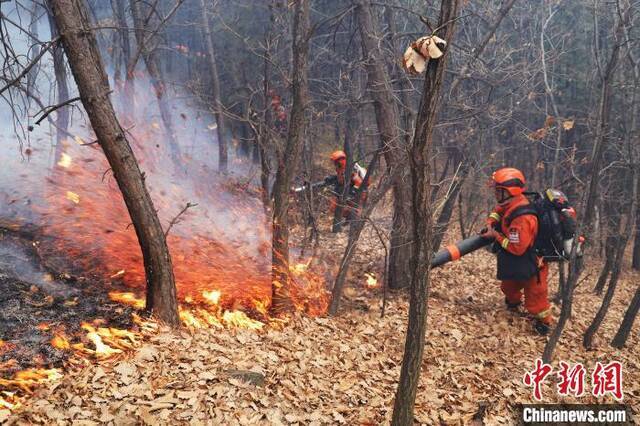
{"x": 18, "y": 261}
{"x": 72, "y": 198}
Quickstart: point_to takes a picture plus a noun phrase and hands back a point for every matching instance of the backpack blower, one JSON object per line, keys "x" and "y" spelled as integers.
{"x": 556, "y": 230}
{"x": 459, "y": 249}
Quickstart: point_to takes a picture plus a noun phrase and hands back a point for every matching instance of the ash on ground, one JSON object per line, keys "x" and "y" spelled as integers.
{"x": 37, "y": 304}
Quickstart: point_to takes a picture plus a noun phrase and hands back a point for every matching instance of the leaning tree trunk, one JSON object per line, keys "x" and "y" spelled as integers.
{"x": 623, "y": 234}
{"x": 287, "y": 161}
{"x": 615, "y": 268}
{"x": 62, "y": 114}
{"x": 215, "y": 90}
{"x": 88, "y": 70}
{"x": 609, "y": 254}
{"x": 621, "y": 336}
{"x": 423, "y": 235}
{"x": 388, "y": 121}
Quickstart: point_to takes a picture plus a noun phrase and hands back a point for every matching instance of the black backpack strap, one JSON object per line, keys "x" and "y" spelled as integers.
{"x": 521, "y": 211}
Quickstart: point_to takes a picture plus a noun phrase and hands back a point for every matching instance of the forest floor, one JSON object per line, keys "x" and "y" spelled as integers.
{"x": 344, "y": 370}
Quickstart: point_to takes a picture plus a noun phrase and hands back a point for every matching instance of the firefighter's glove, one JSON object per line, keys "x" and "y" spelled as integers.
{"x": 330, "y": 180}
{"x": 489, "y": 233}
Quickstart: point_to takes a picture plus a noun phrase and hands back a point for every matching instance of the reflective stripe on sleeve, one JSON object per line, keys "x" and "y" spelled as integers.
{"x": 495, "y": 216}
{"x": 505, "y": 243}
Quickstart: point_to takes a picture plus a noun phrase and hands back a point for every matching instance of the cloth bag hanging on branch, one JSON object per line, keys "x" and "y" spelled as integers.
{"x": 420, "y": 51}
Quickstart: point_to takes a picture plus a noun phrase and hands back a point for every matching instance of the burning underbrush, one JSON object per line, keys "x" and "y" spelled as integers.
{"x": 219, "y": 241}
{"x": 80, "y": 235}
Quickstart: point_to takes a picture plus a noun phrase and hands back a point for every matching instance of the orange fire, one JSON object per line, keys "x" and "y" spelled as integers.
{"x": 219, "y": 249}
{"x": 26, "y": 380}
{"x": 60, "y": 342}
{"x": 372, "y": 281}
{"x": 127, "y": 299}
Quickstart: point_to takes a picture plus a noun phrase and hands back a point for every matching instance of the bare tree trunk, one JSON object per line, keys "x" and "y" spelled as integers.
{"x": 423, "y": 235}
{"x": 590, "y": 197}
{"x": 142, "y": 13}
{"x": 388, "y": 121}
{"x": 265, "y": 136}
{"x": 404, "y": 84}
{"x": 215, "y": 86}
{"x": 288, "y": 160}
{"x": 126, "y": 97}
{"x": 609, "y": 255}
{"x": 616, "y": 267}
{"x": 550, "y": 93}
{"x": 62, "y": 114}
{"x": 461, "y": 222}
{"x": 622, "y": 334}
{"x": 93, "y": 85}
{"x": 442, "y": 223}
{"x": 635, "y": 260}
{"x": 34, "y": 49}
{"x": 504, "y": 10}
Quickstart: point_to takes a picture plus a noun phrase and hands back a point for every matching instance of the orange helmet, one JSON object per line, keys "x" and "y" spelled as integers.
{"x": 338, "y": 155}
{"x": 510, "y": 179}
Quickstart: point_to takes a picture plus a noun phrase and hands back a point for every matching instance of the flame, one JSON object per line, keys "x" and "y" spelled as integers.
{"x": 241, "y": 320}
{"x": 220, "y": 249}
{"x": 26, "y": 380}
{"x": 72, "y": 196}
{"x": 60, "y": 342}
{"x": 190, "y": 320}
{"x": 128, "y": 299}
{"x": 299, "y": 268}
{"x": 102, "y": 350}
{"x": 212, "y": 297}
{"x": 230, "y": 257}
{"x": 9, "y": 400}
{"x": 117, "y": 274}
{"x": 65, "y": 161}
{"x": 372, "y": 281}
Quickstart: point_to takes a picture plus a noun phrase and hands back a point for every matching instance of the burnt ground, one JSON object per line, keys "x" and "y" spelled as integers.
{"x": 37, "y": 303}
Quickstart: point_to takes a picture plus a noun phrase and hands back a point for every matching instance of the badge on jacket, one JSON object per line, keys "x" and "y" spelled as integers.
{"x": 514, "y": 236}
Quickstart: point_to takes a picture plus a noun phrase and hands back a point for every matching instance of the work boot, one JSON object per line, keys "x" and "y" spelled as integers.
{"x": 512, "y": 307}
{"x": 541, "y": 327}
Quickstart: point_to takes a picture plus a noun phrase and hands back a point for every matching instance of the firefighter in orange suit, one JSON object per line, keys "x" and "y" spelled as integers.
{"x": 519, "y": 268}
{"x": 339, "y": 159}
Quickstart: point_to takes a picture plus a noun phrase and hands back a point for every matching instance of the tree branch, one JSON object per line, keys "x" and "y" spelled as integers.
{"x": 31, "y": 64}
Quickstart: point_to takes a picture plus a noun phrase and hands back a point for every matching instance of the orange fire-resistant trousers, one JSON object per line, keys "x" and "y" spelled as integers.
{"x": 536, "y": 294}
